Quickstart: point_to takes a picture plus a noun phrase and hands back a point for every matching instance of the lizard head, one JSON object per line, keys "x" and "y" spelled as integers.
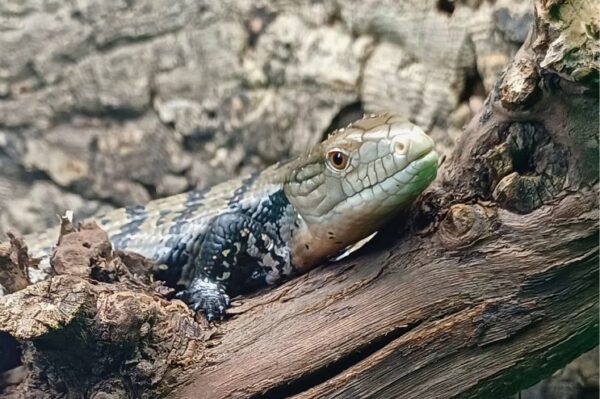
{"x": 349, "y": 185}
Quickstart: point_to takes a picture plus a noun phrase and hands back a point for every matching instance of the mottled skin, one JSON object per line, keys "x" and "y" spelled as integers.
{"x": 253, "y": 231}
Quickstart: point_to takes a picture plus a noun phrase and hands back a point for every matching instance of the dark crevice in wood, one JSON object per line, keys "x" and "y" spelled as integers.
{"x": 346, "y": 115}
{"x": 259, "y": 18}
{"x": 445, "y": 6}
{"x": 589, "y": 393}
{"x": 10, "y": 353}
{"x": 473, "y": 86}
{"x": 328, "y": 371}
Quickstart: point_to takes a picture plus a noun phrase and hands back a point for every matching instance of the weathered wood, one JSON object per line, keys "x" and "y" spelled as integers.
{"x": 491, "y": 286}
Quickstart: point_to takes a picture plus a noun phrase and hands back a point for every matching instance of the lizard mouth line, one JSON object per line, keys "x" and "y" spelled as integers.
{"x": 410, "y": 167}
{"x": 421, "y": 170}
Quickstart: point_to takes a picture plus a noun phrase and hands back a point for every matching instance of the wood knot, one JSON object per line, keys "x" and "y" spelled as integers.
{"x": 464, "y": 225}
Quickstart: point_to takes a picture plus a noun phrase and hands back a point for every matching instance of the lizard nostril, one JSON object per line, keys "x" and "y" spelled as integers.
{"x": 399, "y": 147}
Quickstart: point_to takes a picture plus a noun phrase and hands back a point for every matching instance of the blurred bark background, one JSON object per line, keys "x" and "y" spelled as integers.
{"x": 115, "y": 102}
{"x": 106, "y": 103}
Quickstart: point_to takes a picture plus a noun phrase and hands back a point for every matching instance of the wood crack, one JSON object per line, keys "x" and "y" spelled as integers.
{"x": 322, "y": 374}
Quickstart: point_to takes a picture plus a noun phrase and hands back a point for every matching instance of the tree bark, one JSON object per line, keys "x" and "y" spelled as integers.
{"x": 492, "y": 285}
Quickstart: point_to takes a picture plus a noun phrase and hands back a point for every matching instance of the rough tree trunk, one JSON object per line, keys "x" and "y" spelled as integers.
{"x": 493, "y": 286}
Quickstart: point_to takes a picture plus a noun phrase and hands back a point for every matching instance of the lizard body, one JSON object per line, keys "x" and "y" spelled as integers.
{"x": 253, "y": 231}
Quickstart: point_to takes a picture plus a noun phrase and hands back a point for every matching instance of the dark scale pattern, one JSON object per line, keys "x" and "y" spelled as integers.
{"x": 162, "y": 215}
{"x": 205, "y": 295}
{"x": 231, "y": 252}
{"x": 136, "y": 216}
{"x": 192, "y": 202}
{"x": 276, "y": 216}
{"x": 176, "y": 259}
{"x": 240, "y": 251}
{"x": 239, "y": 192}
{"x": 271, "y": 210}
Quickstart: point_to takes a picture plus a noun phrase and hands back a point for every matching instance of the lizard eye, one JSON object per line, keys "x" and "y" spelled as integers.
{"x": 337, "y": 159}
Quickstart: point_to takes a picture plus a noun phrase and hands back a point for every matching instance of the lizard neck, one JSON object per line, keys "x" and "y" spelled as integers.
{"x": 310, "y": 246}
{"x": 307, "y": 249}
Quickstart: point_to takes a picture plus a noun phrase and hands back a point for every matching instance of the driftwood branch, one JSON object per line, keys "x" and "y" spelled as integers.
{"x": 492, "y": 286}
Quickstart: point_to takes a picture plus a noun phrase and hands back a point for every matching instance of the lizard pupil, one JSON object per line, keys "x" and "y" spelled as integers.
{"x": 338, "y": 159}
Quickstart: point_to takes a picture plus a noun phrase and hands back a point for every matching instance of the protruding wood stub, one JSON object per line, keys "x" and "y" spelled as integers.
{"x": 519, "y": 87}
{"x": 76, "y": 249}
{"x": 13, "y": 265}
{"x": 464, "y": 225}
{"x": 518, "y": 193}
